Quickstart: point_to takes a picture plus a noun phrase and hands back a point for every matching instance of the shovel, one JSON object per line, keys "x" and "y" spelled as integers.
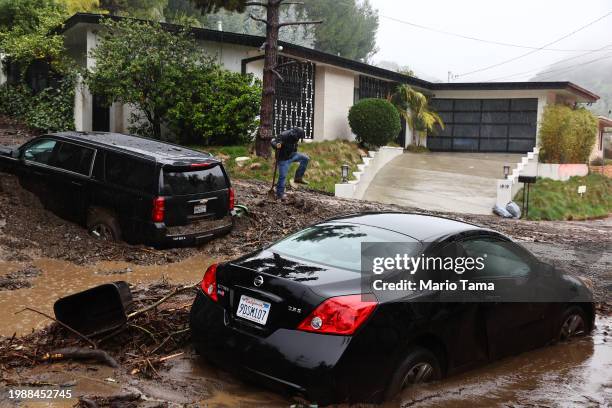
{"x": 98, "y": 310}
{"x": 271, "y": 192}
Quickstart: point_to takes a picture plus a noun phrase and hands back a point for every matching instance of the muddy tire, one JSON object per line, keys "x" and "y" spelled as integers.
{"x": 573, "y": 323}
{"x": 419, "y": 366}
{"x": 103, "y": 224}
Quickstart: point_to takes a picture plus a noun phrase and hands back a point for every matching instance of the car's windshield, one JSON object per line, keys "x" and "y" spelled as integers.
{"x": 193, "y": 181}
{"x": 335, "y": 244}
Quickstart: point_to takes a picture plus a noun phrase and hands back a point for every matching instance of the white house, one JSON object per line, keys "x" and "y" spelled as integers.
{"x": 318, "y": 93}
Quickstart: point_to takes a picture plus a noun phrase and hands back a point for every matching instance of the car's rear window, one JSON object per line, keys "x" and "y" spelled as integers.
{"x": 193, "y": 181}
{"x": 335, "y": 244}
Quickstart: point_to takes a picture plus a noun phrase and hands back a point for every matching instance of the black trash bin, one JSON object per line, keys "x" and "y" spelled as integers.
{"x": 97, "y": 310}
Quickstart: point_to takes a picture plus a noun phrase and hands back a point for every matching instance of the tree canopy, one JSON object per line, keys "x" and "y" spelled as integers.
{"x": 25, "y": 27}
{"x": 349, "y": 27}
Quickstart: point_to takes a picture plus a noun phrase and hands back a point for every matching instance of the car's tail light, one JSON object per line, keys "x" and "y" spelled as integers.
{"x": 209, "y": 282}
{"x": 232, "y": 199}
{"x": 339, "y": 315}
{"x": 202, "y": 165}
{"x": 159, "y": 209}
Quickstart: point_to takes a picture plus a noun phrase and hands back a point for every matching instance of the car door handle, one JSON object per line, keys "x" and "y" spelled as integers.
{"x": 76, "y": 183}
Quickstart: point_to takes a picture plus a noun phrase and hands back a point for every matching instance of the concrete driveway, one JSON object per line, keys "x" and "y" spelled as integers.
{"x": 458, "y": 182}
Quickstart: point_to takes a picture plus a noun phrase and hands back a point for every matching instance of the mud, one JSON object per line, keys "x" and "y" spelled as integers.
{"x": 574, "y": 374}
{"x": 43, "y": 257}
{"x": 57, "y": 278}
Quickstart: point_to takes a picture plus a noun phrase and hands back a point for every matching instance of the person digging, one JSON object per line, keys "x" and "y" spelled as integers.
{"x": 286, "y": 145}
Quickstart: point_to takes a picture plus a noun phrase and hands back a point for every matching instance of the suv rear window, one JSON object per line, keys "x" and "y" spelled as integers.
{"x": 193, "y": 181}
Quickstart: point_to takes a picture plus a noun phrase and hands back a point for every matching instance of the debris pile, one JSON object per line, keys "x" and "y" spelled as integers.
{"x": 156, "y": 331}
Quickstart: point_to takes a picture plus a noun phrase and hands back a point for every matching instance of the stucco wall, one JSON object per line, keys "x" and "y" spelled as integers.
{"x": 334, "y": 93}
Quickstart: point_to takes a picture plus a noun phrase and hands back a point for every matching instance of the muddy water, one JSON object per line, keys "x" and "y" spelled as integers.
{"x": 575, "y": 374}
{"x": 59, "y": 278}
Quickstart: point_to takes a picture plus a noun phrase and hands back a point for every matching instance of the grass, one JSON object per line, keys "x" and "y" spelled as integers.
{"x": 559, "y": 200}
{"x": 323, "y": 170}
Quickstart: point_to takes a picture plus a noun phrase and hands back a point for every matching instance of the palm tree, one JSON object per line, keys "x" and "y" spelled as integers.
{"x": 414, "y": 108}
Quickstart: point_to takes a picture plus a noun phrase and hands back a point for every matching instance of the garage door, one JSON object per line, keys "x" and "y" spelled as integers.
{"x": 485, "y": 125}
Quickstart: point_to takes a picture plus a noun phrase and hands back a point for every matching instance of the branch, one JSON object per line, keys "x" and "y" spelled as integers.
{"x": 64, "y": 325}
{"x": 261, "y": 20}
{"x": 162, "y": 300}
{"x": 299, "y": 23}
{"x": 255, "y": 3}
{"x": 77, "y": 353}
{"x": 284, "y": 64}
{"x": 286, "y": 3}
{"x": 275, "y": 72}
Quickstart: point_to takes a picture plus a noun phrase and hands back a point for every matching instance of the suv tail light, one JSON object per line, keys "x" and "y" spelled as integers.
{"x": 232, "y": 199}
{"x": 159, "y": 209}
{"x": 339, "y": 315}
{"x": 209, "y": 282}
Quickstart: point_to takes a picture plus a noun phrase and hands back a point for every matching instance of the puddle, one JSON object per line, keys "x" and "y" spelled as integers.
{"x": 575, "y": 374}
{"x": 60, "y": 278}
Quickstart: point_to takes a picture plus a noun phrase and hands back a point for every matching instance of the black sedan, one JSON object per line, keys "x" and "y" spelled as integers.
{"x": 298, "y": 316}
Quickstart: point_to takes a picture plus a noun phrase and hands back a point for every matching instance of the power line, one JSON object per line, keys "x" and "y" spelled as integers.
{"x": 467, "y": 37}
{"x": 536, "y": 50}
{"x": 572, "y": 67}
{"x": 555, "y": 63}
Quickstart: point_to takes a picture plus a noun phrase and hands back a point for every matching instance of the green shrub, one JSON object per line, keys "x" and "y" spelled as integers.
{"x": 567, "y": 135}
{"x": 375, "y": 122}
{"x": 221, "y": 109}
{"x": 52, "y": 109}
{"x": 417, "y": 149}
{"x": 173, "y": 85}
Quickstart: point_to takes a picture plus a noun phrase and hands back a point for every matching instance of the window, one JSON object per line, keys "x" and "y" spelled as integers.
{"x": 74, "y": 158}
{"x": 40, "y": 151}
{"x": 335, "y": 244}
{"x": 129, "y": 172}
{"x": 501, "y": 258}
{"x": 193, "y": 182}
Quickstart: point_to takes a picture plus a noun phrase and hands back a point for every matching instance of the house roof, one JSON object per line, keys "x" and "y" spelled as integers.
{"x": 341, "y": 62}
{"x": 605, "y": 122}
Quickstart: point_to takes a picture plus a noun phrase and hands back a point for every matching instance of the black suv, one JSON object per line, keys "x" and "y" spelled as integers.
{"x": 127, "y": 187}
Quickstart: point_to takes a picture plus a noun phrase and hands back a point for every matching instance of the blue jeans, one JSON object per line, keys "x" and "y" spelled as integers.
{"x": 283, "y": 169}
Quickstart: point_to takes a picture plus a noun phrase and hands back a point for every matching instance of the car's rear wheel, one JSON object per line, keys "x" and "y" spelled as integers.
{"x": 102, "y": 224}
{"x": 419, "y": 366}
{"x": 573, "y": 323}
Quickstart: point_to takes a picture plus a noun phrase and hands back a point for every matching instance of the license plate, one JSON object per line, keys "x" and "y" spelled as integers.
{"x": 253, "y": 309}
{"x": 199, "y": 209}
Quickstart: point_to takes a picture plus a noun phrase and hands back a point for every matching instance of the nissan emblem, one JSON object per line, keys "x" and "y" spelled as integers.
{"x": 258, "y": 281}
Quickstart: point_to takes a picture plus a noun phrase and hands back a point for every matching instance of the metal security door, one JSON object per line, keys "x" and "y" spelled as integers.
{"x": 294, "y": 100}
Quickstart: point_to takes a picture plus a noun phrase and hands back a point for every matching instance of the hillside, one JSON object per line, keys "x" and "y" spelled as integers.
{"x": 596, "y": 76}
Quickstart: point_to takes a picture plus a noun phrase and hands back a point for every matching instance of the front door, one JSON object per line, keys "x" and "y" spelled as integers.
{"x": 509, "y": 313}
{"x": 100, "y": 121}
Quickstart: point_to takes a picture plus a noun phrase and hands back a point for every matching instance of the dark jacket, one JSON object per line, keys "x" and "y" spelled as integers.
{"x": 288, "y": 140}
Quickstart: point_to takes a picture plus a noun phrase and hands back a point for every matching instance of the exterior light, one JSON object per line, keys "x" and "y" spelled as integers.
{"x": 345, "y": 172}
{"x": 506, "y": 171}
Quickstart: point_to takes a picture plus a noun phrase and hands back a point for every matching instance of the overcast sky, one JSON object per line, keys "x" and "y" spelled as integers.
{"x": 531, "y": 23}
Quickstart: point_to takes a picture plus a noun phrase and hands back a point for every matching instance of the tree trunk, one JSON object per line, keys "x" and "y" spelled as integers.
{"x": 262, "y": 143}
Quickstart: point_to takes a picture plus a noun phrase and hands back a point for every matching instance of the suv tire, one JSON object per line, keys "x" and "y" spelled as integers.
{"x": 419, "y": 366}
{"x": 102, "y": 224}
